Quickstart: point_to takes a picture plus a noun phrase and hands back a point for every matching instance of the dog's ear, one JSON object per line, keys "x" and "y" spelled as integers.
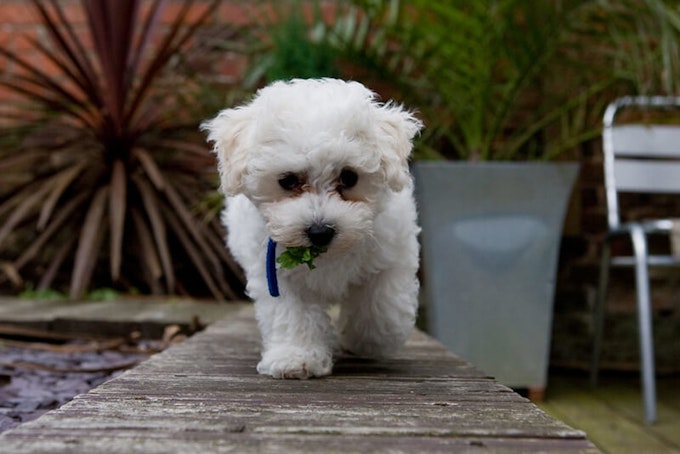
{"x": 397, "y": 128}
{"x": 228, "y": 132}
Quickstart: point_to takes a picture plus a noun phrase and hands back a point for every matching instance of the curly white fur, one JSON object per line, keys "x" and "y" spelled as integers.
{"x": 315, "y": 130}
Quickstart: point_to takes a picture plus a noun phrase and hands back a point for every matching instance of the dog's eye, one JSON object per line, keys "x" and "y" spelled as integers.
{"x": 348, "y": 178}
{"x": 290, "y": 181}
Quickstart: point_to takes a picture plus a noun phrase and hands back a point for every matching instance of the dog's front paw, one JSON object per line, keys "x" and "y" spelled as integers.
{"x": 295, "y": 362}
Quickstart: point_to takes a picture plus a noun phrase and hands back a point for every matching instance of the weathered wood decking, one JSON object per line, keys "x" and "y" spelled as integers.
{"x": 204, "y": 395}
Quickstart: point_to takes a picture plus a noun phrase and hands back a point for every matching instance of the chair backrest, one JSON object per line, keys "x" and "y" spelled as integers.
{"x": 640, "y": 157}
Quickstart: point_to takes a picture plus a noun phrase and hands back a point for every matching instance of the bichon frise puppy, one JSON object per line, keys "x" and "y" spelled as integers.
{"x": 319, "y": 211}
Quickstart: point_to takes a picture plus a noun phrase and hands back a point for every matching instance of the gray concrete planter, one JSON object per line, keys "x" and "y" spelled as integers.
{"x": 491, "y": 235}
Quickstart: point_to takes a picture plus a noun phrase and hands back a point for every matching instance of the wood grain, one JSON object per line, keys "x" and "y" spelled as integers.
{"x": 204, "y": 395}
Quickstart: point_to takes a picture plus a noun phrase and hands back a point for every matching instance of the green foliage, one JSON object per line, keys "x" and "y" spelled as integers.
{"x": 297, "y": 255}
{"x": 479, "y": 72}
{"x": 640, "y": 41}
{"x": 46, "y": 294}
{"x": 503, "y": 79}
{"x": 103, "y": 294}
{"x": 516, "y": 80}
{"x": 111, "y": 164}
{"x": 288, "y": 48}
{"x": 100, "y": 294}
{"x": 484, "y": 77}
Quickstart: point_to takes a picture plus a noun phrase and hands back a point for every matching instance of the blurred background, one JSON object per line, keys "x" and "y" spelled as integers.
{"x": 107, "y": 188}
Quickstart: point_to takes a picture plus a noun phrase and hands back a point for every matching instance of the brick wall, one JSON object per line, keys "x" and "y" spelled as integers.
{"x": 19, "y": 24}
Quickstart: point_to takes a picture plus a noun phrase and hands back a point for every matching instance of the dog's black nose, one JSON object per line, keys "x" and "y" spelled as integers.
{"x": 320, "y": 235}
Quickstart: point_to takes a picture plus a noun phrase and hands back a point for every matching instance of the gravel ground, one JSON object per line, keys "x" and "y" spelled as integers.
{"x": 26, "y": 393}
{"x": 38, "y": 375}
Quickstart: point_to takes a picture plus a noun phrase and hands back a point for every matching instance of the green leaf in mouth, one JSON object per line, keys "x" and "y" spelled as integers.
{"x": 297, "y": 255}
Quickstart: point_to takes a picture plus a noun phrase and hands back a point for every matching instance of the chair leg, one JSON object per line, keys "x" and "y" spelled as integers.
{"x": 645, "y": 323}
{"x": 598, "y": 313}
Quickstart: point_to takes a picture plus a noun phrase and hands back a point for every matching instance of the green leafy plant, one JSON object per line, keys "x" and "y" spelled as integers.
{"x": 640, "y": 42}
{"x": 103, "y": 294}
{"x": 297, "y": 255}
{"x": 486, "y": 76}
{"x": 492, "y": 79}
{"x": 284, "y": 44}
{"x": 517, "y": 80}
{"x": 48, "y": 294}
{"x": 111, "y": 168}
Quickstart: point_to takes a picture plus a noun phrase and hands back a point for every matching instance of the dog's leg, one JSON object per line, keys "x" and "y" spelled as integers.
{"x": 297, "y": 339}
{"x": 379, "y": 315}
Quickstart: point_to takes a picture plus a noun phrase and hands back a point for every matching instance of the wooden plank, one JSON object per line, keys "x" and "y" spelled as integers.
{"x": 111, "y": 318}
{"x": 625, "y": 397}
{"x": 204, "y": 395}
{"x": 667, "y": 389}
{"x": 598, "y": 412}
{"x": 244, "y": 443}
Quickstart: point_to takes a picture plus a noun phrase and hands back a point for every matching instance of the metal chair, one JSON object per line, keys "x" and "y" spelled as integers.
{"x": 638, "y": 158}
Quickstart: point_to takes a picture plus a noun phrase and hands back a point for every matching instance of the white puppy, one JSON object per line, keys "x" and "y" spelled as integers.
{"x": 320, "y": 164}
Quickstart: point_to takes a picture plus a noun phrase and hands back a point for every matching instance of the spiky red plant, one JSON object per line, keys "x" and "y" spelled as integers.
{"x": 114, "y": 172}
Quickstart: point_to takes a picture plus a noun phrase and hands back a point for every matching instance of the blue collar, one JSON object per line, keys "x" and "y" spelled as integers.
{"x": 272, "y": 282}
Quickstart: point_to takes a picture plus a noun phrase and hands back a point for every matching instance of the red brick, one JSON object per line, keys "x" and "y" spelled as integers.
{"x": 73, "y": 10}
{"x": 45, "y": 64}
{"x": 232, "y": 66}
{"x": 7, "y": 94}
{"x": 173, "y": 9}
{"x": 329, "y": 11}
{"x": 17, "y": 12}
{"x": 239, "y": 14}
{"x": 6, "y": 37}
{"x": 23, "y": 41}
